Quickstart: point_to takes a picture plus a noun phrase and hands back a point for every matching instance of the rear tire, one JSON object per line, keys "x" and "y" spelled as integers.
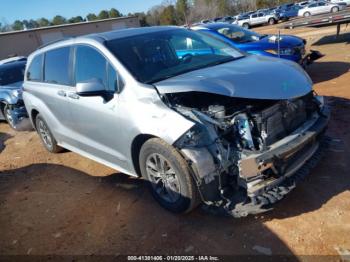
{"x": 307, "y": 14}
{"x": 246, "y": 26}
{"x": 335, "y": 9}
{"x": 168, "y": 176}
{"x": 46, "y": 136}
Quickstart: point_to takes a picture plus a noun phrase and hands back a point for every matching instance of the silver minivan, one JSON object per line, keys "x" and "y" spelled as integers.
{"x": 200, "y": 122}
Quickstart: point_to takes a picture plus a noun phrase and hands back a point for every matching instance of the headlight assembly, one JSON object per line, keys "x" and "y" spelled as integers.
{"x": 195, "y": 137}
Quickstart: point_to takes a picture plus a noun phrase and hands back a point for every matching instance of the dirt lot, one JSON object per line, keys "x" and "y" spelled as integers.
{"x": 66, "y": 204}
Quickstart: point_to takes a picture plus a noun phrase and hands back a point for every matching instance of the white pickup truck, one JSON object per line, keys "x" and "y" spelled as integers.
{"x": 258, "y": 18}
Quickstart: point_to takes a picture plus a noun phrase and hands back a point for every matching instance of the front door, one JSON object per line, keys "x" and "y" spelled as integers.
{"x": 96, "y": 119}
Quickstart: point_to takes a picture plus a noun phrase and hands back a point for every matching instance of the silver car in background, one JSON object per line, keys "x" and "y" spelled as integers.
{"x": 201, "y": 123}
{"x": 320, "y": 7}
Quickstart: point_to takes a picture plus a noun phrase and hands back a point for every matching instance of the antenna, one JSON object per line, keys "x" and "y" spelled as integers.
{"x": 278, "y": 42}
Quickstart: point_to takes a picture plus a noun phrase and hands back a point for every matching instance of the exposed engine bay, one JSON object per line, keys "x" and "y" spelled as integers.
{"x": 243, "y": 151}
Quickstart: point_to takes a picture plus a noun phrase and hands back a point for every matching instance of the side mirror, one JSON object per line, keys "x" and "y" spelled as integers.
{"x": 93, "y": 87}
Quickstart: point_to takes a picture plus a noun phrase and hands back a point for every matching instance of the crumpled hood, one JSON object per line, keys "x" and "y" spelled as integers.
{"x": 254, "y": 77}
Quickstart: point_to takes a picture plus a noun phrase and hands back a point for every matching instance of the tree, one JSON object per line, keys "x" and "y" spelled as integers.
{"x": 142, "y": 18}
{"x": 168, "y": 16}
{"x": 76, "y": 19}
{"x": 42, "y": 22}
{"x": 153, "y": 15}
{"x": 4, "y": 26}
{"x": 91, "y": 17}
{"x": 181, "y": 11}
{"x": 114, "y": 13}
{"x": 30, "y": 24}
{"x": 103, "y": 15}
{"x": 223, "y": 7}
{"x": 58, "y": 20}
{"x": 17, "y": 25}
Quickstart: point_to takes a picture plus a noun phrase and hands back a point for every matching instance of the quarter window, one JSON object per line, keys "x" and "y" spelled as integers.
{"x": 57, "y": 66}
{"x": 35, "y": 69}
{"x": 112, "y": 78}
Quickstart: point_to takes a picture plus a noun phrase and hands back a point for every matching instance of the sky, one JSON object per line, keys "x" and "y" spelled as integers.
{"x": 11, "y": 10}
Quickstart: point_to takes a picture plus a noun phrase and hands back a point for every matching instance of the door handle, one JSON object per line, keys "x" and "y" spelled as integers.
{"x": 61, "y": 93}
{"x": 73, "y": 95}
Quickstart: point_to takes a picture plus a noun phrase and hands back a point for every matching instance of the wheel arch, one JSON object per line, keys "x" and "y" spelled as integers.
{"x": 33, "y": 114}
{"x": 136, "y": 146}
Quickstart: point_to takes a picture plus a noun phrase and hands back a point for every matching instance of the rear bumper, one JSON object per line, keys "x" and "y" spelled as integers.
{"x": 290, "y": 159}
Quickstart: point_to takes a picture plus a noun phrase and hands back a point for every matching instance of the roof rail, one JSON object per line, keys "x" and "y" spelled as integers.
{"x": 54, "y": 41}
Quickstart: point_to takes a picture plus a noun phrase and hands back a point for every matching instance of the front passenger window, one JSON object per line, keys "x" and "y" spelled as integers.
{"x": 90, "y": 65}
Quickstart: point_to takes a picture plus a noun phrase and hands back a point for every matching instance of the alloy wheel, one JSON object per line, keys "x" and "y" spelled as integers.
{"x": 45, "y": 134}
{"x": 163, "y": 178}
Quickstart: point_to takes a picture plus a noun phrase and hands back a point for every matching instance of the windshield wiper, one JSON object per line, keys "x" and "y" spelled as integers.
{"x": 263, "y": 36}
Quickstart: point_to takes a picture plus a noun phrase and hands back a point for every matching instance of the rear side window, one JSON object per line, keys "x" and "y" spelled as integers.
{"x": 90, "y": 65}
{"x": 56, "y": 69}
{"x": 34, "y": 72}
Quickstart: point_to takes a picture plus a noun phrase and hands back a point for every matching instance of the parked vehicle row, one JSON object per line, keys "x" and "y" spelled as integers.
{"x": 199, "y": 120}
{"x": 282, "y": 13}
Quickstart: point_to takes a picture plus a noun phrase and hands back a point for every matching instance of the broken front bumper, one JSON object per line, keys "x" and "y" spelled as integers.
{"x": 290, "y": 159}
{"x": 20, "y": 118}
{"x": 309, "y": 58}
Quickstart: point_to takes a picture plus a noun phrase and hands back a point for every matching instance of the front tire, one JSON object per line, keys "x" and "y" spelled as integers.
{"x": 46, "y": 136}
{"x": 307, "y": 14}
{"x": 246, "y": 26}
{"x": 272, "y": 21}
{"x": 168, "y": 176}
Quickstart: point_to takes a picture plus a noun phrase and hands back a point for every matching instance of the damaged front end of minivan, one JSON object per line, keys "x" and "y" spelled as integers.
{"x": 246, "y": 154}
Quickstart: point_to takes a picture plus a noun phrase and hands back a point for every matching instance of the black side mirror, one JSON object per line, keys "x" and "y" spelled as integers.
{"x": 93, "y": 87}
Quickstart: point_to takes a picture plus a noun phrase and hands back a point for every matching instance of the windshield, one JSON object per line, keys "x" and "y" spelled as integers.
{"x": 10, "y": 74}
{"x": 238, "y": 34}
{"x": 153, "y": 57}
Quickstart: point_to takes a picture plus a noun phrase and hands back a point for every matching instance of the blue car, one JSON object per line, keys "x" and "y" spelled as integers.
{"x": 286, "y": 12}
{"x": 287, "y": 47}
